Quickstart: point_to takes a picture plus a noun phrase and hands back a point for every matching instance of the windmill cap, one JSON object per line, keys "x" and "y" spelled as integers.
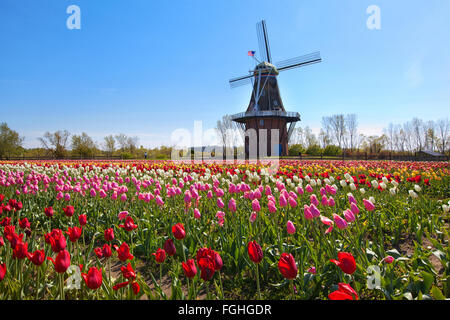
{"x": 266, "y": 67}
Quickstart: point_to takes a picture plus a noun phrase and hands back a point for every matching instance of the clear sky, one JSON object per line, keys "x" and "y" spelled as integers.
{"x": 146, "y": 68}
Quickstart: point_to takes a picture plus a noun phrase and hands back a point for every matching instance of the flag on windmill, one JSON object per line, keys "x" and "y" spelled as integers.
{"x": 251, "y": 53}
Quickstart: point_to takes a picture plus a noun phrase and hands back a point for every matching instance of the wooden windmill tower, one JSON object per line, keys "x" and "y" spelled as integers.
{"x": 266, "y": 109}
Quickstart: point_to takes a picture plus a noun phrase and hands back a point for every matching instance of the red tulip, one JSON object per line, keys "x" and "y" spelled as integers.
{"x": 48, "y": 212}
{"x": 62, "y": 261}
{"x": 98, "y": 252}
{"x": 13, "y": 238}
{"x": 109, "y": 234}
{"x": 69, "y": 211}
{"x": 2, "y": 242}
{"x": 93, "y": 278}
{"x": 56, "y": 239}
{"x": 129, "y": 224}
{"x": 206, "y": 268}
{"x": 20, "y": 251}
{"x": 74, "y": 233}
{"x": 135, "y": 286}
{"x": 178, "y": 231}
{"x": 345, "y": 292}
{"x": 82, "y": 219}
{"x": 189, "y": 268}
{"x": 37, "y": 257}
{"x": 2, "y": 270}
{"x": 169, "y": 247}
{"x": 106, "y": 250}
{"x": 255, "y": 252}
{"x": 160, "y": 255}
{"x": 24, "y": 223}
{"x": 124, "y": 252}
{"x": 6, "y": 221}
{"x": 128, "y": 272}
{"x": 287, "y": 266}
{"x": 346, "y": 262}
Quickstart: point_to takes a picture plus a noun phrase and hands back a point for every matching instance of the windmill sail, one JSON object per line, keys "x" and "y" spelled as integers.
{"x": 263, "y": 41}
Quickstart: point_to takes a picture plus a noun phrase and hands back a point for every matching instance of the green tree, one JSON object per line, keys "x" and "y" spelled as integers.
{"x": 10, "y": 141}
{"x": 83, "y": 145}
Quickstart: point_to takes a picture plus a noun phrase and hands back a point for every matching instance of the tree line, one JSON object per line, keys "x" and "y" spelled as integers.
{"x": 340, "y": 132}
{"x": 62, "y": 144}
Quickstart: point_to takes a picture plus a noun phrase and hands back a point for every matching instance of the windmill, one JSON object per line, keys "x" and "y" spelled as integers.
{"x": 266, "y": 109}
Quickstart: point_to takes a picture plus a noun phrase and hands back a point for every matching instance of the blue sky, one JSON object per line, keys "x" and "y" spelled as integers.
{"x": 146, "y": 68}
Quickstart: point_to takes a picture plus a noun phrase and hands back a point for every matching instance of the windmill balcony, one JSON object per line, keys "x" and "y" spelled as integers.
{"x": 289, "y": 116}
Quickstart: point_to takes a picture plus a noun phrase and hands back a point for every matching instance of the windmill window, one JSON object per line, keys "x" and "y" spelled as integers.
{"x": 261, "y": 122}
{"x": 275, "y": 103}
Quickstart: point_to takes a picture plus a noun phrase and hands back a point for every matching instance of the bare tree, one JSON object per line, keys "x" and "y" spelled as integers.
{"x": 56, "y": 143}
{"x": 324, "y": 139}
{"x": 327, "y": 131}
{"x": 443, "y": 128}
{"x": 121, "y": 140}
{"x": 389, "y": 132}
{"x": 337, "y": 125}
{"x": 418, "y": 133}
{"x": 228, "y": 131}
{"x": 351, "y": 125}
{"x": 110, "y": 145}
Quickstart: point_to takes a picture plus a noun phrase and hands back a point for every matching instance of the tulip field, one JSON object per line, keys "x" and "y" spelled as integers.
{"x": 116, "y": 230}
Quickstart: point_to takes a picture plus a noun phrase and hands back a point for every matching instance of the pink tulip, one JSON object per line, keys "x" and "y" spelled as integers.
{"x": 349, "y": 216}
{"x": 340, "y": 222}
{"x": 197, "y": 214}
{"x": 292, "y": 202}
{"x": 220, "y": 203}
{"x": 307, "y": 212}
{"x": 314, "y": 211}
{"x": 314, "y": 200}
{"x": 283, "y": 201}
{"x": 272, "y": 206}
{"x": 122, "y": 215}
{"x": 324, "y": 201}
{"x": 309, "y": 188}
{"x": 354, "y": 208}
{"x": 255, "y": 205}
{"x": 389, "y": 259}
{"x": 232, "y": 205}
{"x": 331, "y": 202}
{"x": 253, "y": 217}
{"x": 369, "y": 205}
{"x": 290, "y": 227}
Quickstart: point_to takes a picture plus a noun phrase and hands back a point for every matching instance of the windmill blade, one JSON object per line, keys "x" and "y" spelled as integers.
{"x": 263, "y": 41}
{"x": 300, "y": 61}
{"x": 240, "y": 81}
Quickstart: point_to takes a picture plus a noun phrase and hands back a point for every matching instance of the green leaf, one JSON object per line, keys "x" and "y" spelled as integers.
{"x": 437, "y": 294}
{"x": 428, "y": 280}
{"x": 394, "y": 253}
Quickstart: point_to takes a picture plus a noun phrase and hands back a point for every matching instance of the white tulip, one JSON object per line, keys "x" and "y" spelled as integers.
{"x": 417, "y": 188}
{"x": 362, "y": 190}
{"x": 352, "y": 186}
{"x": 412, "y": 194}
{"x": 375, "y": 184}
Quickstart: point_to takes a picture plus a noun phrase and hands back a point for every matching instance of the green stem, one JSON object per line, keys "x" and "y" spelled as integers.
{"x": 257, "y": 282}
